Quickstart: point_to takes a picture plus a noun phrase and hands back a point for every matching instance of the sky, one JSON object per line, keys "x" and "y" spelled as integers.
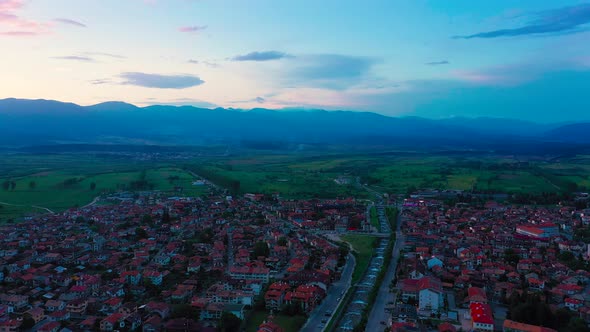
{"x": 526, "y": 59}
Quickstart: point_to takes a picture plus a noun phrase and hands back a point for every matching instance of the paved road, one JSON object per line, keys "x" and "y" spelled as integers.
{"x": 332, "y": 300}
{"x": 378, "y": 313}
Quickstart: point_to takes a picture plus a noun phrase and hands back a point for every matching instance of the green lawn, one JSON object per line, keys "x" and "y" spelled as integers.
{"x": 49, "y": 190}
{"x": 290, "y": 179}
{"x": 288, "y": 323}
{"x": 363, "y": 246}
{"x": 305, "y": 175}
{"x": 374, "y": 217}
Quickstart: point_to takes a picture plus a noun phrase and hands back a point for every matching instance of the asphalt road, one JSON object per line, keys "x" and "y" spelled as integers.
{"x": 378, "y": 313}
{"x": 332, "y": 300}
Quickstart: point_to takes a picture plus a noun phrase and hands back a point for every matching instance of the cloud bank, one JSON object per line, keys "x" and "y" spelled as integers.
{"x": 261, "y": 56}
{"x": 161, "y": 81}
{"x": 561, "y": 20}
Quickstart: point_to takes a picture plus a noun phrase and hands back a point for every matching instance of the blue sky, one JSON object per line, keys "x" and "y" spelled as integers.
{"x": 526, "y": 59}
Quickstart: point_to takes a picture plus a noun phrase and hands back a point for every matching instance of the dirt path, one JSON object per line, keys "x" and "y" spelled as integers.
{"x": 91, "y": 203}
{"x": 33, "y": 206}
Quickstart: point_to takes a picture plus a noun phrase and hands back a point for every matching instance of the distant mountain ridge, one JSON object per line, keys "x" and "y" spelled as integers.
{"x": 26, "y": 122}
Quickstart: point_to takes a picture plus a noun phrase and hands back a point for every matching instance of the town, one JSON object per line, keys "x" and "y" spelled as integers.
{"x": 152, "y": 262}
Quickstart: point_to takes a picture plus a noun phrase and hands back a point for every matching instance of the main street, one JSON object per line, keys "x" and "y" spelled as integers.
{"x": 384, "y": 296}
{"x": 332, "y": 300}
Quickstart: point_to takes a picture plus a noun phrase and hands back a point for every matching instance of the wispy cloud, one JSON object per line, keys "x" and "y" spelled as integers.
{"x": 74, "y": 58}
{"x": 261, "y": 56}
{"x": 192, "y": 29}
{"x": 19, "y": 33}
{"x": 505, "y": 75}
{"x": 561, "y": 20}
{"x": 108, "y": 55}
{"x": 70, "y": 22}
{"x": 438, "y": 63}
{"x": 206, "y": 63}
{"x": 101, "y": 81}
{"x": 161, "y": 81}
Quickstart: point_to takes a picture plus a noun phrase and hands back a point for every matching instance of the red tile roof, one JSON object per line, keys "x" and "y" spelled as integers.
{"x": 481, "y": 313}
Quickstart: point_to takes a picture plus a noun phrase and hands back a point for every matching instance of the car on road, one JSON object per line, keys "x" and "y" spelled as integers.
{"x": 324, "y": 321}
{"x": 382, "y": 322}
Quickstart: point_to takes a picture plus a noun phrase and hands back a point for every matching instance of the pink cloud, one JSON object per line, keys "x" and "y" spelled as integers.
{"x": 10, "y": 5}
{"x": 6, "y": 17}
{"x": 17, "y": 25}
{"x": 477, "y": 77}
{"x": 506, "y": 75}
{"x": 19, "y": 33}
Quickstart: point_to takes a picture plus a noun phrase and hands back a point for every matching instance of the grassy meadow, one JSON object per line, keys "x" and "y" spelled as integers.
{"x": 363, "y": 246}
{"x": 39, "y": 186}
{"x": 291, "y": 175}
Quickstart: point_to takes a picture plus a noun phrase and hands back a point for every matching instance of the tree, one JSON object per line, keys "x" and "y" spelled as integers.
{"x": 184, "y": 311}
{"x": 511, "y": 257}
{"x": 28, "y": 322}
{"x": 147, "y": 219}
{"x": 32, "y": 185}
{"x": 282, "y": 241}
{"x": 140, "y": 233}
{"x": 12, "y": 185}
{"x": 166, "y": 217}
{"x": 260, "y": 249}
{"x": 6, "y": 185}
{"x": 578, "y": 325}
{"x": 92, "y": 185}
{"x": 229, "y": 322}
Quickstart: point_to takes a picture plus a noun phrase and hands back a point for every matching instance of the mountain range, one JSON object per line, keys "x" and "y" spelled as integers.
{"x": 39, "y": 122}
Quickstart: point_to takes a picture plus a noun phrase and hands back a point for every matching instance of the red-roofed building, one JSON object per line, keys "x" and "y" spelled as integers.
{"x": 250, "y": 273}
{"x": 111, "y": 322}
{"x": 512, "y": 326}
{"x": 447, "y": 327}
{"x": 477, "y": 295}
{"x": 481, "y": 317}
{"x": 11, "y": 325}
{"x": 541, "y": 231}
{"x": 427, "y": 290}
{"x": 307, "y": 296}
{"x": 49, "y": 327}
{"x": 274, "y": 297}
{"x": 270, "y": 326}
{"x": 573, "y": 304}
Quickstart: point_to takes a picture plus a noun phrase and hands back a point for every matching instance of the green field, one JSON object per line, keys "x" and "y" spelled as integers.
{"x": 290, "y": 175}
{"x": 288, "y": 323}
{"x": 296, "y": 176}
{"x": 287, "y": 176}
{"x": 363, "y": 246}
{"x": 39, "y": 191}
